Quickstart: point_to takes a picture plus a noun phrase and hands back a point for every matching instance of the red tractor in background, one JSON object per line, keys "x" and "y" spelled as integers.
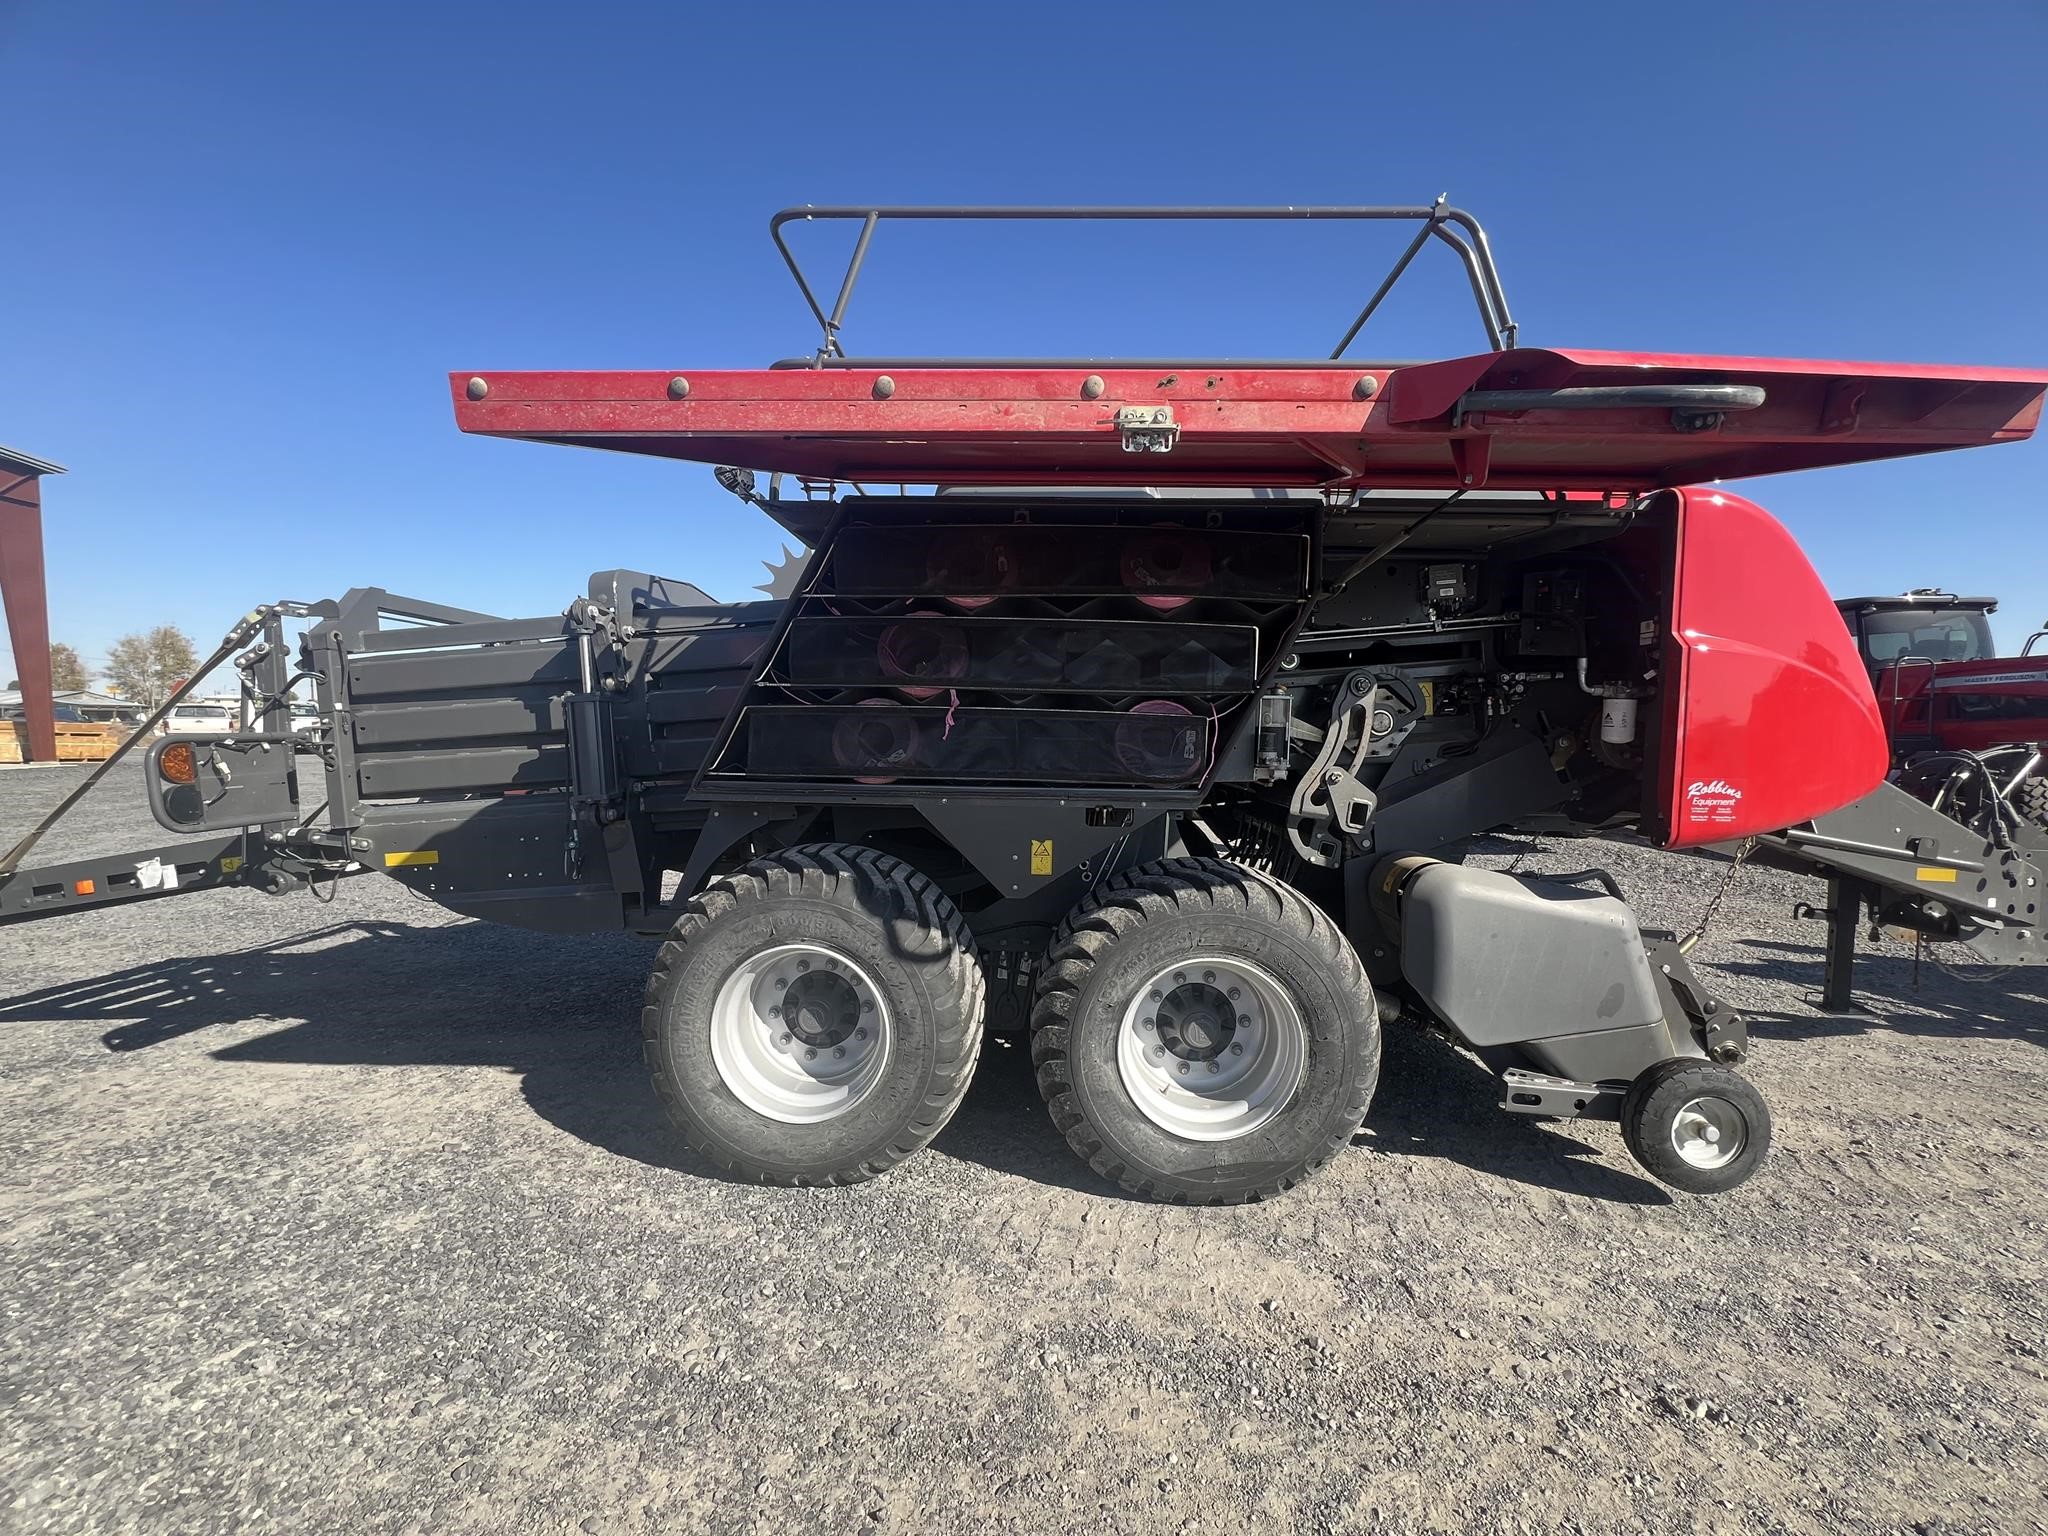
{"x": 1967, "y": 727}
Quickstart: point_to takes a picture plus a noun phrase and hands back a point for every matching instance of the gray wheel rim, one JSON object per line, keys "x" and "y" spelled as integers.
{"x": 800, "y": 1034}
{"x": 1709, "y": 1132}
{"x": 1211, "y": 1048}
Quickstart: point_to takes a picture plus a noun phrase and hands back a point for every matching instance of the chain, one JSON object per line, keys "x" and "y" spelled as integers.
{"x": 1529, "y": 847}
{"x": 1743, "y": 850}
{"x": 1988, "y": 973}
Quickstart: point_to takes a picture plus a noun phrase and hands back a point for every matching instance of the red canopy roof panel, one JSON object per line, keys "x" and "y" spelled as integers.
{"x": 1530, "y": 418}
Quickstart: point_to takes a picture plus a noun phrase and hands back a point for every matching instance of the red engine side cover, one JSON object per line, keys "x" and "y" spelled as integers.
{"x": 1772, "y": 720}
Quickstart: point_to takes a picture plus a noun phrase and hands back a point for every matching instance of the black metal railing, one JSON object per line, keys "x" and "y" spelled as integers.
{"x": 1437, "y": 221}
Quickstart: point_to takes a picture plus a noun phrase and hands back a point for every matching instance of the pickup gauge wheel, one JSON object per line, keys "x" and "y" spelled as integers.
{"x": 1696, "y": 1126}
{"x": 1204, "y": 1034}
{"x": 814, "y": 1017}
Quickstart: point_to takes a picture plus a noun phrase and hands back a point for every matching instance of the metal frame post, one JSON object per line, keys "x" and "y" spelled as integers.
{"x": 25, "y": 595}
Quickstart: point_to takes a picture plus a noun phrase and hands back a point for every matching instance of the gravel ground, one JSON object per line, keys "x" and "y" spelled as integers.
{"x": 360, "y": 1217}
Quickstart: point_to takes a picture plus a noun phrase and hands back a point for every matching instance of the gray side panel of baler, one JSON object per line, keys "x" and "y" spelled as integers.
{"x": 462, "y": 712}
{"x": 686, "y": 660}
{"x": 480, "y": 710}
{"x": 1506, "y": 777}
{"x": 500, "y": 858}
{"x": 679, "y": 687}
{"x": 1552, "y": 970}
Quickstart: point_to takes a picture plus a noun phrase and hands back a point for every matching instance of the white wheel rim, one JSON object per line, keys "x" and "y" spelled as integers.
{"x": 800, "y": 1034}
{"x": 1709, "y": 1132}
{"x": 1211, "y": 1048}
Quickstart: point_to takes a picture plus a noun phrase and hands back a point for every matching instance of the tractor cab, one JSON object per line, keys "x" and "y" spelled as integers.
{"x": 1923, "y": 626}
{"x": 1964, "y": 722}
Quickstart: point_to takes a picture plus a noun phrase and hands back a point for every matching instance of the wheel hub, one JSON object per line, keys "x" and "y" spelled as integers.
{"x": 821, "y": 1008}
{"x": 799, "y": 1033}
{"x": 1709, "y": 1132}
{"x": 1211, "y": 1048}
{"x": 1196, "y": 1022}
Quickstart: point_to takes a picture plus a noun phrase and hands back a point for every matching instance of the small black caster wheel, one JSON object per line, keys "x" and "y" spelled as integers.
{"x": 1696, "y": 1126}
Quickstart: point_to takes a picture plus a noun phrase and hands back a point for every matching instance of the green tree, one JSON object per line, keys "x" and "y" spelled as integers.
{"x": 146, "y": 667}
{"x": 67, "y": 672}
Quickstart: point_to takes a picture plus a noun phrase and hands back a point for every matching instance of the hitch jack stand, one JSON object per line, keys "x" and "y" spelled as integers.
{"x": 1846, "y": 898}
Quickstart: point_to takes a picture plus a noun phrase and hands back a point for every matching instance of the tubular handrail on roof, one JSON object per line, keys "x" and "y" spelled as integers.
{"x": 1437, "y": 220}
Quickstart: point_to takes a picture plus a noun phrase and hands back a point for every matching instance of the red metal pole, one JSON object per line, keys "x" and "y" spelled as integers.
{"x": 28, "y": 607}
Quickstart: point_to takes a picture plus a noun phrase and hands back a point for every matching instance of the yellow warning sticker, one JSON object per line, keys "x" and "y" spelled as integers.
{"x": 1428, "y": 696}
{"x": 1933, "y": 876}
{"x": 417, "y": 856}
{"x": 230, "y": 864}
{"x": 1041, "y": 856}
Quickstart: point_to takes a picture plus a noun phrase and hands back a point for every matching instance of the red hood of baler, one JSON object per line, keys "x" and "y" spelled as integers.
{"x": 1768, "y": 717}
{"x": 1521, "y": 419}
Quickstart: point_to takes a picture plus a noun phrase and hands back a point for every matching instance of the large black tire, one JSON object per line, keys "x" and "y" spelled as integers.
{"x": 1650, "y": 1111}
{"x": 2031, "y": 799}
{"x": 877, "y": 912}
{"x": 1138, "y": 925}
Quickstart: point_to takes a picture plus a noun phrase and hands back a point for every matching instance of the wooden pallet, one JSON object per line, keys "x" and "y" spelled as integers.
{"x": 75, "y": 743}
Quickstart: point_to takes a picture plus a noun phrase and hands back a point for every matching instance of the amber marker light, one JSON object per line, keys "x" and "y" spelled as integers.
{"x": 178, "y": 763}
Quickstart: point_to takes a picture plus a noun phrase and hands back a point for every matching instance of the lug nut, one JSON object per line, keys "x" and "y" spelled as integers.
{"x": 868, "y": 1006}
{"x": 785, "y": 1037}
{"x": 1237, "y": 1050}
{"x": 838, "y": 1053}
{"x": 1208, "y": 976}
{"x": 775, "y": 1010}
{"x": 1145, "y": 1023}
{"x": 1157, "y": 996}
{"x": 1232, "y": 994}
{"x": 1215, "y": 1066}
{"x": 803, "y": 965}
{"x": 1183, "y": 1069}
{"x": 782, "y": 981}
{"x": 1243, "y": 1019}
{"x": 811, "y": 1054}
{"x": 1179, "y": 976}
{"x": 860, "y": 1034}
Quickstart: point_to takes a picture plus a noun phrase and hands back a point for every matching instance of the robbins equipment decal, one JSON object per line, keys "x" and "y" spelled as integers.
{"x": 1711, "y": 800}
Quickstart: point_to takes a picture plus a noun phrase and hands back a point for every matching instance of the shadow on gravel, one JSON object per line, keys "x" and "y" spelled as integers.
{"x": 2010, "y": 1006}
{"x": 1003, "y": 1126}
{"x": 1435, "y": 1101}
{"x": 563, "y": 1012}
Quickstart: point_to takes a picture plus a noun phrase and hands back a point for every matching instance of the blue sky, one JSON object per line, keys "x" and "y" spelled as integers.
{"x": 248, "y": 241}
